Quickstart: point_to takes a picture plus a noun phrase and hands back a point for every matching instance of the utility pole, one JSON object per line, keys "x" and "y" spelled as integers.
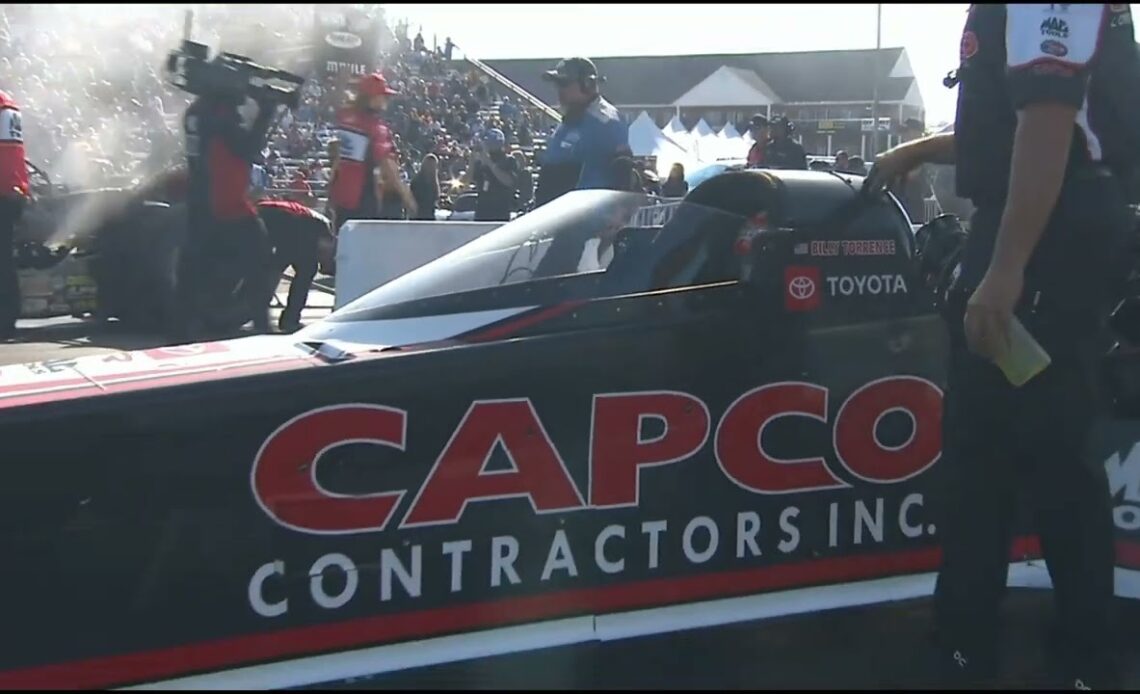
{"x": 875, "y": 88}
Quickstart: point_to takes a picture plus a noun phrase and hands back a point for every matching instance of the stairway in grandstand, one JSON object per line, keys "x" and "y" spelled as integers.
{"x": 550, "y": 116}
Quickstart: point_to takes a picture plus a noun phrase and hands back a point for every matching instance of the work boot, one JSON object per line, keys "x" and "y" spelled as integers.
{"x": 288, "y": 326}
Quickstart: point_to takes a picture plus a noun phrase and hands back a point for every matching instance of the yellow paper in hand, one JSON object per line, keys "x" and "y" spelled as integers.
{"x": 1026, "y": 357}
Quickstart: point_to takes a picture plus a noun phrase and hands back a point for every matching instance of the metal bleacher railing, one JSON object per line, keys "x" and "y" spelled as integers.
{"x": 526, "y": 96}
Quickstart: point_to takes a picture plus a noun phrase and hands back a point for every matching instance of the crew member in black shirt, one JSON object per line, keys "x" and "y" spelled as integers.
{"x": 1045, "y": 129}
{"x": 495, "y": 176}
{"x": 782, "y": 152}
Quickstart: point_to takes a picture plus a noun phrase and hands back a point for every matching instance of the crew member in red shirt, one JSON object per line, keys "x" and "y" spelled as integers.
{"x": 226, "y": 241}
{"x": 758, "y": 127}
{"x": 14, "y": 193}
{"x": 364, "y": 146}
{"x": 302, "y": 238}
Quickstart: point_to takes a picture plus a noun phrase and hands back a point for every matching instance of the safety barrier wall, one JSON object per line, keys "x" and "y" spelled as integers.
{"x": 373, "y": 252}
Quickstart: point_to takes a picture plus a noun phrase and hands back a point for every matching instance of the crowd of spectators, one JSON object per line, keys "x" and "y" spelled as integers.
{"x": 95, "y": 106}
{"x": 443, "y": 111}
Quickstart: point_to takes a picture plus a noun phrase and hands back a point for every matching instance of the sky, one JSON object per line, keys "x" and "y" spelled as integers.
{"x": 929, "y": 33}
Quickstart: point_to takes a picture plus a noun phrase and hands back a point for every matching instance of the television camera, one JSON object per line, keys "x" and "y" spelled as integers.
{"x": 232, "y": 76}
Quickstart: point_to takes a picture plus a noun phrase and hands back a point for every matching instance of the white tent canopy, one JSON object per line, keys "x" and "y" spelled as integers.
{"x": 729, "y": 132}
{"x": 709, "y": 145}
{"x": 729, "y": 86}
{"x": 646, "y": 140}
{"x": 727, "y": 144}
{"x": 675, "y": 126}
{"x": 675, "y": 130}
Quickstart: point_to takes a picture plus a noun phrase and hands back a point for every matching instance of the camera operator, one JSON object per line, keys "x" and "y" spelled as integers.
{"x": 495, "y": 176}
{"x": 225, "y": 238}
{"x": 363, "y": 146}
{"x": 14, "y": 192}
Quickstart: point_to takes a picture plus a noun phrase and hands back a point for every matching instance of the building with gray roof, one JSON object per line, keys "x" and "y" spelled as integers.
{"x": 828, "y": 94}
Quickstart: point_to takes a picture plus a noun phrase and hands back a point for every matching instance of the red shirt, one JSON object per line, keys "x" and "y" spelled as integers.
{"x": 295, "y": 209}
{"x": 13, "y": 167}
{"x": 756, "y": 154}
{"x": 220, "y": 151}
{"x": 229, "y": 175}
{"x": 299, "y": 184}
{"x": 365, "y": 141}
{"x": 284, "y": 218}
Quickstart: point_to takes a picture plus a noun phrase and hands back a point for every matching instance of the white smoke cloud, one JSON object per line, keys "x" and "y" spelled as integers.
{"x": 90, "y": 81}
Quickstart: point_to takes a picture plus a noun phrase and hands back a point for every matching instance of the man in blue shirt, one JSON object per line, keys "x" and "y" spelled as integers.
{"x": 582, "y": 151}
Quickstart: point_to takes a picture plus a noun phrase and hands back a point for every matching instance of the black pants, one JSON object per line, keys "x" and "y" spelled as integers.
{"x": 294, "y": 240}
{"x": 218, "y": 255}
{"x": 10, "y": 210}
{"x": 999, "y": 440}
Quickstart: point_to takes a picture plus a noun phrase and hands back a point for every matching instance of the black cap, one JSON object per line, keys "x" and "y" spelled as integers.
{"x": 572, "y": 70}
{"x": 758, "y": 121}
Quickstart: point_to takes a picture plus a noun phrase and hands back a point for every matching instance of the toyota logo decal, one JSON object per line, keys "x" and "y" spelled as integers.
{"x": 802, "y": 282}
{"x": 801, "y": 288}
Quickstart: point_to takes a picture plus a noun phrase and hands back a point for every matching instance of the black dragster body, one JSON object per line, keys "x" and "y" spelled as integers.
{"x": 606, "y": 418}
